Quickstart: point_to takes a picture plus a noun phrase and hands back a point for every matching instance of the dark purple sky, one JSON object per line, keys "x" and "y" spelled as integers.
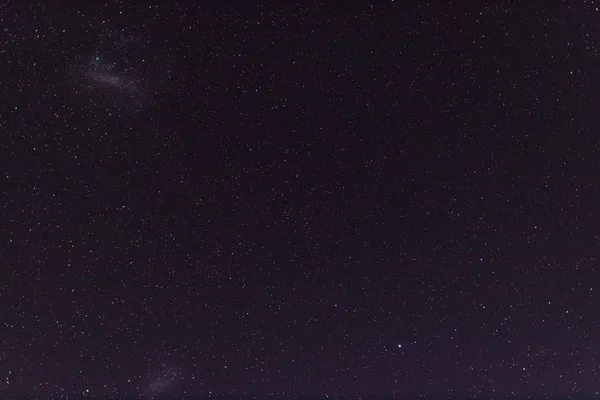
{"x": 381, "y": 199}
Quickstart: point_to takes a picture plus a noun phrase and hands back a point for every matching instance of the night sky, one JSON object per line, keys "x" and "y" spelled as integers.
{"x": 300, "y": 199}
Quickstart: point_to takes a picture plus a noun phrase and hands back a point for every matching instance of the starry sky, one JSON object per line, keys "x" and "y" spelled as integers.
{"x": 299, "y": 200}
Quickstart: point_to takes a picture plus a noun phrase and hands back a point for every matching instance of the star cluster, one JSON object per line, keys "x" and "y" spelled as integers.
{"x": 292, "y": 201}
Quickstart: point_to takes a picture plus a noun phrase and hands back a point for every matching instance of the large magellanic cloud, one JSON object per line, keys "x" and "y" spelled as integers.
{"x": 120, "y": 71}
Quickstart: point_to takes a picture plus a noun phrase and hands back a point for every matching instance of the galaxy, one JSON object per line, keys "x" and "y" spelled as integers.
{"x": 116, "y": 69}
{"x": 162, "y": 382}
{"x": 376, "y": 200}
